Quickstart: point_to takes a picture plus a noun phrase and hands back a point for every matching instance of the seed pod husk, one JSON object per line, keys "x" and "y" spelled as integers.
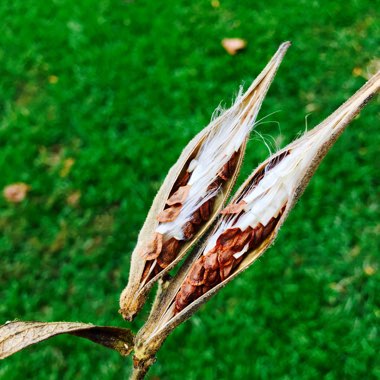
{"x": 265, "y": 199}
{"x": 194, "y": 191}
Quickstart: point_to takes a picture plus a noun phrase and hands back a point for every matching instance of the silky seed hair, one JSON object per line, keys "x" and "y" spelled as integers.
{"x": 265, "y": 200}
{"x": 216, "y": 151}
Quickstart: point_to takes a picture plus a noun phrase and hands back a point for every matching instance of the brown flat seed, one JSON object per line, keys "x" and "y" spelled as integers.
{"x": 211, "y": 278}
{"x": 182, "y": 181}
{"x": 225, "y": 271}
{"x": 154, "y": 248}
{"x": 259, "y": 233}
{"x": 223, "y": 173}
{"x": 211, "y": 261}
{"x": 187, "y": 290}
{"x": 226, "y": 236}
{"x": 254, "y": 241}
{"x": 179, "y": 196}
{"x": 232, "y": 163}
{"x": 169, "y": 214}
{"x": 187, "y": 294}
{"x": 238, "y": 242}
{"x": 205, "y": 210}
{"x": 196, "y": 275}
{"x": 180, "y": 303}
{"x": 234, "y": 208}
{"x": 188, "y": 230}
{"x": 181, "y": 300}
{"x": 225, "y": 257}
{"x": 196, "y": 219}
{"x": 205, "y": 289}
{"x": 268, "y": 228}
{"x": 238, "y": 261}
{"x": 169, "y": 252}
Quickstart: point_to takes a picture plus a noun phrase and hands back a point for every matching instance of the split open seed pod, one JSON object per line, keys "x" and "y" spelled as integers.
{"x": 194, "y": 191}
{"x": 247, "y": 226}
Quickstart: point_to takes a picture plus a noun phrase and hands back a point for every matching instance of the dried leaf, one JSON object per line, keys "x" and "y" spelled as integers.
{"x": 16, "y": 192}
{"x": 73, "y": 198}
{"x": 15, "y": 336}
{"x": 233, "y": 45}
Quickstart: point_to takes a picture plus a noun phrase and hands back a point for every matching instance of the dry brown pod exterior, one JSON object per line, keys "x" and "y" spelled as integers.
{"x": 163, "y": 319}
{"x": 149, "y": 244}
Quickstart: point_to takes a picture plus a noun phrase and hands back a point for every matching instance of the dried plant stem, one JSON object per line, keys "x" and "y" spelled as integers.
{"x": 139, "y": 373}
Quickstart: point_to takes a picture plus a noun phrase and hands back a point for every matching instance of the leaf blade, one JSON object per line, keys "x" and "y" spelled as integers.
{"x": 15, "y": 336}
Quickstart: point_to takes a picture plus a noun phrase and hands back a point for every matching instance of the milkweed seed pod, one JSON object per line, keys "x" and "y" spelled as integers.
{"x": 247, "y": 226}
{"x": 194, "y": 191}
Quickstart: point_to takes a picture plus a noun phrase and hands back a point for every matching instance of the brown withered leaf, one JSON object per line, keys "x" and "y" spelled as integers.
{"x": 15, "y": 336}
{"x": 233, "y": 45}
{"x": 73, "y": 198}
{"x": 16, "y": 192}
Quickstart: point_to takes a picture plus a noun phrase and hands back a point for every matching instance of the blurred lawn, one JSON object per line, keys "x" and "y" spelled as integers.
{"x": 118, "y": 88}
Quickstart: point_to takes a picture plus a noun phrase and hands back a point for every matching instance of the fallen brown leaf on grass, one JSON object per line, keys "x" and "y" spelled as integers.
{"x": 15, "y": 336}
{"x": 73, "y": 198}
{"x": 16, "y": 192}
{"x": 53, "y": 79}
{"x": 233, "y": 45}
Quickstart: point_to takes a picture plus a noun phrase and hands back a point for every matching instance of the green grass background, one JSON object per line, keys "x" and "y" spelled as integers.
{"x": 120, "y": 87}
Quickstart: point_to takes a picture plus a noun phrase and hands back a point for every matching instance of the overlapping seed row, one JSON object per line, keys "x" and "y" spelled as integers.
{"x": 230, "y": 249}
{"x": 219, "y": 263}
{"x": 163, "y": 251}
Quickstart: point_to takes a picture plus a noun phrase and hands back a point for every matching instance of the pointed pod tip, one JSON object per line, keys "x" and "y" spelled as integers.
{"x": 286, "y": 44}
{"x": 127, "y": 315}
{"x": 284, "y": 47}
